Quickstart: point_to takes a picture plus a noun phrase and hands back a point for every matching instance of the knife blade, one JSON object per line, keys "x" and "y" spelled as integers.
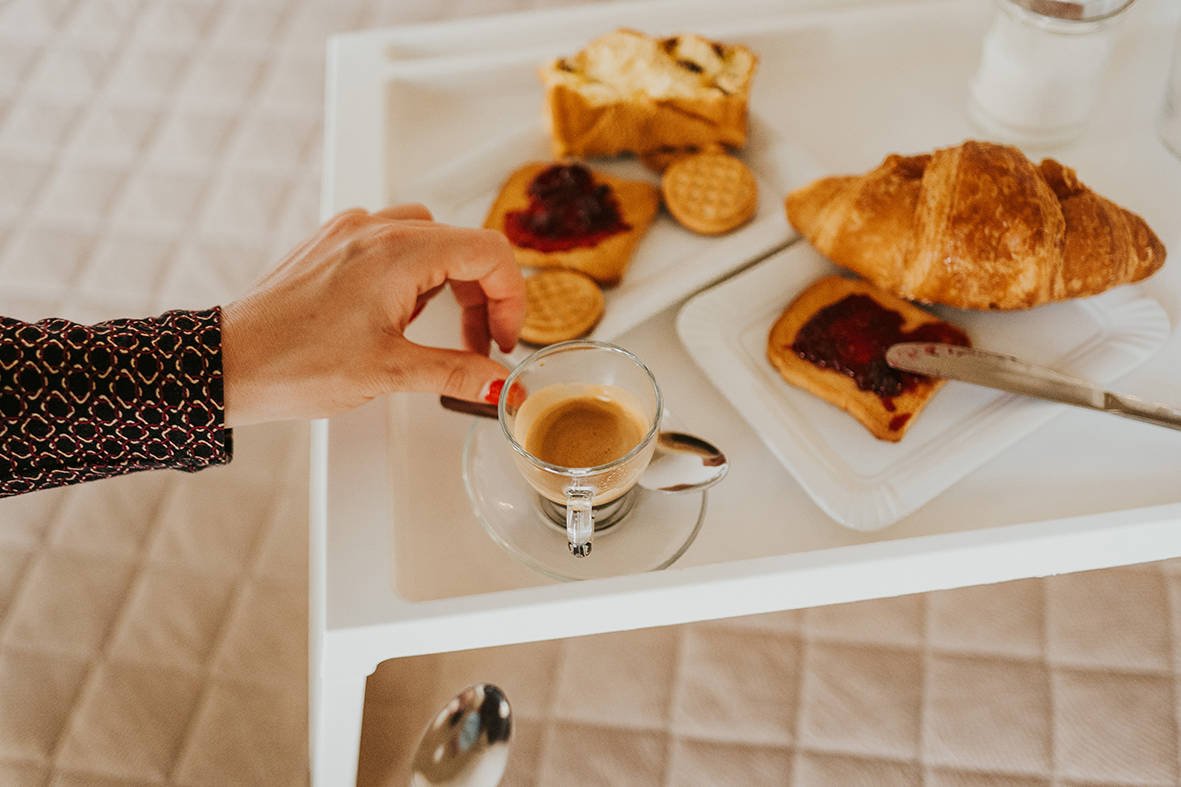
{"x": 1006, "y": 373}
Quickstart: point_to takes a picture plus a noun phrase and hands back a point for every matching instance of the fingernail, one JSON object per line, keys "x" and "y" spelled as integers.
{"x": 491, "y": 392}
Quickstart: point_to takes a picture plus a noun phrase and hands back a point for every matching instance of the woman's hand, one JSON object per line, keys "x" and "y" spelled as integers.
{"x": 322, "y": 333}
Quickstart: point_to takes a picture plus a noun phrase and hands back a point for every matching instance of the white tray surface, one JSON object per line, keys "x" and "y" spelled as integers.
{"x": 410, "y": 570}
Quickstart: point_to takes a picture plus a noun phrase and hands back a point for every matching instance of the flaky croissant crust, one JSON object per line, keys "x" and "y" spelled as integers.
{"x": 977, "y": 226}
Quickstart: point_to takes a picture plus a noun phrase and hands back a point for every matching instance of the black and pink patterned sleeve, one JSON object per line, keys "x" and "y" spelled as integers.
{"x": 81, "y": 402}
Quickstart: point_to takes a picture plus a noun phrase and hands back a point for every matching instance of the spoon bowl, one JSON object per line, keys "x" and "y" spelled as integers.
{"x": 684, "y": 463}
{"x": 467, "y": 743}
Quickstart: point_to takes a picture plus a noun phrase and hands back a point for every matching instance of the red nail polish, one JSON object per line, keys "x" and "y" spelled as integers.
{"x": 494, "y": 389}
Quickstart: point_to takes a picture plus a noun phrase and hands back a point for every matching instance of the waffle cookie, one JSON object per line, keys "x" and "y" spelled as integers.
{"x": 710, "y": 192}
{"x": 560, "y": 304}
{"x": 832, "y": 341}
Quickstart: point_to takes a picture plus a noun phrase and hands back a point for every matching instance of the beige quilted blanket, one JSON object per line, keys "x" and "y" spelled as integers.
{"x": 158, "y": 154}
{"x": 1062, "y": 681}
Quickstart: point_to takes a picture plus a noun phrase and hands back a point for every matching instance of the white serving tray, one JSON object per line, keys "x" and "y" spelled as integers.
{"x": 868, "y": 484}
{"x": 400, "y": 564}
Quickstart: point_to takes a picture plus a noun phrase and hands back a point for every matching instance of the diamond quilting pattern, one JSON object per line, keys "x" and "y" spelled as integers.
{"x": 1088, "y": 628}
{"x": 173, "y": 616}
{"x": 988, "y": 714}
{"x": 862, "y": 701}
{"x": 129, "y": 721}
{"x": 723, "y": 679}
{"x": 19, "y": 179}
{"x": 1000, "y": 620}
{"x": 150, "y": 70}
{"x": 81, "y": 595}
{"x": 971, "y": 690}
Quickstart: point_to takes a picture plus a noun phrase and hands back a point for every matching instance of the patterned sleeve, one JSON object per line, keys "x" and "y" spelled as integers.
{"x": 81, "y": 402}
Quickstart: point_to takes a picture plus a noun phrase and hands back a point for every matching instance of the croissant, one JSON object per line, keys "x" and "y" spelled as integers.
{"x": 977, "y": 226}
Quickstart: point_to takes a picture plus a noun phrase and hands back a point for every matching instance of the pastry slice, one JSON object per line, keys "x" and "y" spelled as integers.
{"x": 566, "y": 215}
{"x": 630, "y": 92}
{"x": 832, "y": 342}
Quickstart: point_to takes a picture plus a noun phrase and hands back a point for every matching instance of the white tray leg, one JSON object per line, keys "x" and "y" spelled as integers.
{"x": 337, "y": 705}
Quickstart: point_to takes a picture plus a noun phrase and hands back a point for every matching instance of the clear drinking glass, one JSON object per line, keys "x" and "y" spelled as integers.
{"x": 1169, "y": 123}
{"x": 556, "y": 379}
{"x": 1042, "y": 69}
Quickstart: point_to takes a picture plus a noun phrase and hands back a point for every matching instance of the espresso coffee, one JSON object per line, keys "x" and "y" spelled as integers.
{"x": 584, "y": 431}
{"x": 582, "y": 428}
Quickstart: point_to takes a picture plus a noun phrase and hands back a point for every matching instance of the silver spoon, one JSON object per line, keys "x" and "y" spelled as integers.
{"x": 467, "y": 743}
{"x": 682, "y": 462}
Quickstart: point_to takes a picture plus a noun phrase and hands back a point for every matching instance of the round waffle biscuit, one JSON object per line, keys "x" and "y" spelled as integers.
{"x": 710, "y": 192}
{"x": 560, "y": 304}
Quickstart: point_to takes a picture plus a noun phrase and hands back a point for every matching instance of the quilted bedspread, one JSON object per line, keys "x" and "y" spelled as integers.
{"x": 159, "y": 154}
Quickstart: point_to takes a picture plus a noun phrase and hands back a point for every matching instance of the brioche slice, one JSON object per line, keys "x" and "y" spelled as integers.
{"x": 832, "y": 342}
{"x": 629, "y": 92}
{"x": 976, "y": 226}
{"x": 602, "y": 255}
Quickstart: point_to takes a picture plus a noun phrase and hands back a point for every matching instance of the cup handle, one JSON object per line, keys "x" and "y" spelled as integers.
{"x": 579, "y": 519}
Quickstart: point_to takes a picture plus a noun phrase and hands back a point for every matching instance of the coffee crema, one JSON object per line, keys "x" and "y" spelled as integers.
{"x": 584, "y": 431}
{"x": 594, "y": 436}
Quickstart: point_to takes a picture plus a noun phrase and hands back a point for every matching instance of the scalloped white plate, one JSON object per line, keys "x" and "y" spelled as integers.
{"x": 867, "y": 484}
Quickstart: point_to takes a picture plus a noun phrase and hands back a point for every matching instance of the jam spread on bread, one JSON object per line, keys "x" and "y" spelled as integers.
{"x": 567, "y": 210}
{"x": 851, "y": 337}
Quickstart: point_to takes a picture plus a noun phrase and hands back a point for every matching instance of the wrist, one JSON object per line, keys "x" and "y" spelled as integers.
{"x": 243, "y": 394}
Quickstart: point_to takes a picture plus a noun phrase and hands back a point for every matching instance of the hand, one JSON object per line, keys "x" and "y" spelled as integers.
{"x": 322, "y": 333}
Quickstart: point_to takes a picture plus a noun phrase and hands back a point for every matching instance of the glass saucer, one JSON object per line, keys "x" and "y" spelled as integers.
{"x": 651, "y": 531}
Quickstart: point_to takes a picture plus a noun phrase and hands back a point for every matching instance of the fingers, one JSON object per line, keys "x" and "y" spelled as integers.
{"x": 422, "y": 301}
{"x": 476, "y": 334}
{"x": 480, "y": 267}
{"x": 479, "y": 264}
{"x": 453, "y": 253}
{"x": 464, "y": 254}
{"x": 464, "y": 375}
{"x": 491, "y": 290}
{"x": 412, "y": 210}
{"x": 486, "y": 319}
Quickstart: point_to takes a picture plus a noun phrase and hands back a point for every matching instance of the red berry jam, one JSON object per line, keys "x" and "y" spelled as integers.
{"x": 567, "y": 210}
{"x": 852, "y": 335}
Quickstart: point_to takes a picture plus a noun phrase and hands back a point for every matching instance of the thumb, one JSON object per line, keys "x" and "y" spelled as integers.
{"x": 459, "y": 373}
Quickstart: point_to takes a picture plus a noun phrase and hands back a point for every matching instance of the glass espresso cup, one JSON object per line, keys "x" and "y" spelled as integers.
{"x": 582, "y": 418}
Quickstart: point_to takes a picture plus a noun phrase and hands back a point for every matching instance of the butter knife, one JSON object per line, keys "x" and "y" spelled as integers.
{"x": 1006, "y": 373}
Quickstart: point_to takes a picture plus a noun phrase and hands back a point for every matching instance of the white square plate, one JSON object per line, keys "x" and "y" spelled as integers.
{"x": 865, "y": 483}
